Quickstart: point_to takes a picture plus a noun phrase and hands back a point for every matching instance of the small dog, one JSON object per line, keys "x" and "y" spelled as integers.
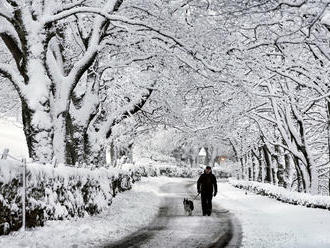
{"x": 188, "y": 206}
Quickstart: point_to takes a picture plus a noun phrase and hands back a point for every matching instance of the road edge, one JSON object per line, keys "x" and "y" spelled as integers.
{"x": 236, "y": 239}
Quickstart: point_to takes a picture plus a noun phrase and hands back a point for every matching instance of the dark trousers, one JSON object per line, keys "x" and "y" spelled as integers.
{"x": 206, "y": 203}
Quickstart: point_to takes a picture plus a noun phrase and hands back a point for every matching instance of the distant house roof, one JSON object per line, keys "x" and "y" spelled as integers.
{"x": 202, "y": 152}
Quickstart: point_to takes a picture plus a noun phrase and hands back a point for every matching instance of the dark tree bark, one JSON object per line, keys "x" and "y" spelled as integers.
{"x": 268, "y": 167}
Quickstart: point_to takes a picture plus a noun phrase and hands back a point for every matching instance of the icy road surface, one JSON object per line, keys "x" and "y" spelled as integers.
{"x": 172, "y": 228}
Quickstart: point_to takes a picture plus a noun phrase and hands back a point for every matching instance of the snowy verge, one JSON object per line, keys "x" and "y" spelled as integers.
{"x": 130, "y": 211}
{"x": 283, "y": 195}
{"x": 267, "y": 222}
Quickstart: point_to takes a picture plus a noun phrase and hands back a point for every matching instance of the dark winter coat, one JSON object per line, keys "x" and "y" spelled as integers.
{"x": 206, "y": 183}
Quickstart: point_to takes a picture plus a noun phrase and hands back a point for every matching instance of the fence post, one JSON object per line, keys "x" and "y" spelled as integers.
{"x": 24, "y": 194}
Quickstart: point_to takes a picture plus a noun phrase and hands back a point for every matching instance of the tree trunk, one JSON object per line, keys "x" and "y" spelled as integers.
{"x": 301, "y": 182}
{"x": 60, "y": 142}
{"x": 207, "y": 156}
{"x": 260, "y": 174}
{"x": 274, "y": 170}
{"x": 249, "y": 166}
{"x": 328, "y": 129}
{"x": 36, "y": 114}
{"x": 113, "y": 155}
{"x": 254, "y": 167}
{"x": 242, "y": 168}
{"x": 280, "y": 166}
{"x": 96, "y": 148}
{"x": 130, "y": 153}
{"x": 288, "y": 171}
{"x": 311, "y": 177}
{"x": 38, "y": 131}
{"x": 268, "y": 167}
{"x": 213, "y": 156}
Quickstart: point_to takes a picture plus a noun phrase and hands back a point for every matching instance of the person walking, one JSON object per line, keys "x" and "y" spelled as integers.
{"x": 207, "y": 187}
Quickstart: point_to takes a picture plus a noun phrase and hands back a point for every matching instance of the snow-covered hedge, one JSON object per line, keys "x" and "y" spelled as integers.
{"x": 161, "y": 170}
{"x": 175, "y": 171}
{"x": 220, "y": 173}
{"x": 57, "y": 193}
{"x": 164, "y": 169}
{"x": 284, "y": 195}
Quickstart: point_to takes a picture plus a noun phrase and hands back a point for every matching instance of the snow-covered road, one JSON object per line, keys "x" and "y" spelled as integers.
{"x": 172, "y": 228}
{"x": 270, "y": 223}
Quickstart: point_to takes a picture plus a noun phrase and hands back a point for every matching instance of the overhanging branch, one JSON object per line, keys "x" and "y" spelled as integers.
{"x": 135, "y": 108}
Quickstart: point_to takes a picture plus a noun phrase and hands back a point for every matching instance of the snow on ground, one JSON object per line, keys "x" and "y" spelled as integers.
{"x": 12, "y": 137}
{"x": 129, "y": 211}
{"x": 285, "y": 195}
{"x": 270, "y": 223}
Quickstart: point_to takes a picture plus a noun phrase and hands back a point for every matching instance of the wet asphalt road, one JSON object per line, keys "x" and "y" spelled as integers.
{"x": 171, "y": 228}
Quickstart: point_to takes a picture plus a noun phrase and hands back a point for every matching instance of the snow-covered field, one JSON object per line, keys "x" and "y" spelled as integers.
{"x": 129, "y": 212}
{"x": 270, "y": 223}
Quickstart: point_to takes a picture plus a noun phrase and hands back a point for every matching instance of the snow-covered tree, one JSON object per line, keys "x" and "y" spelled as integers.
{"x": 60, "y": 51}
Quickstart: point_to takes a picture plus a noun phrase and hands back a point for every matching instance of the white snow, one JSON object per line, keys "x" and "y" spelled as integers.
{"x": 202, "y": 152}
{"x": 326, "y": 18}
{"x": 270, "y": 223}
{"x": 293, "y": 197}
{"x": 12, "y": 137}
{"x": 129, "y": 212}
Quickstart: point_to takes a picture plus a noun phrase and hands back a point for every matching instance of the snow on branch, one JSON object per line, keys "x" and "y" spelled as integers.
{"x": 110, "y": 17}
{"x": 126, "y": 62}
{"x": 131, "y": 111}
{"x": 73, "y": 11}
{"x": 93, "y": 46}
{"x": 7, "y": 28}
{"x": 70, "y": 6}
{"x": 122, "y": 19}
{"x": 298, "y": 82}
{"x": 4, "y": 15}
{"x": 8, "y": 15}
{"x": 312, "y": 101}
{"x": 289, "y": 4}
{"x": 10, "y": 38}
{"x": 7, "y": 71}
